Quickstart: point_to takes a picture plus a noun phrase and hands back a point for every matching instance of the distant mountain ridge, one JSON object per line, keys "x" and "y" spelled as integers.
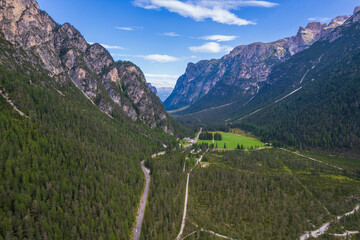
{"x": 239, "y": 74}
{"x": 65, "y": 54}
{"x": 164, "y": 92}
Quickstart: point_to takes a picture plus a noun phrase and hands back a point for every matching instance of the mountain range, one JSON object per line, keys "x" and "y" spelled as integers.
{"x": 163, "y": 92}
{"x": 238, "y": 75}
{"x": 77, "y": 130}
{"x": 309, "y": 99}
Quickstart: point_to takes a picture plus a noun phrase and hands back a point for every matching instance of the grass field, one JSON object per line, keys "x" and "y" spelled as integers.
{"x": 232, "y": 140}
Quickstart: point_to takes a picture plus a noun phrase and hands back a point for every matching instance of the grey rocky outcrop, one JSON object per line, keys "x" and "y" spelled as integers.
{"x": 63, "y": 51}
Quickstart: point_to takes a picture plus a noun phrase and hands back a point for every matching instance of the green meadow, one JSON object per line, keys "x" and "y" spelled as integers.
{"x": 232, "y": 140}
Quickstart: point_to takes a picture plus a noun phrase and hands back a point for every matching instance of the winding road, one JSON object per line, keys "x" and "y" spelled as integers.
{"x": 322, "y": 230}
{"x": 142, "y": 203}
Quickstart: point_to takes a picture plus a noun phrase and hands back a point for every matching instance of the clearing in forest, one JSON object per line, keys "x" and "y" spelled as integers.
{"x": 232, "y": 140}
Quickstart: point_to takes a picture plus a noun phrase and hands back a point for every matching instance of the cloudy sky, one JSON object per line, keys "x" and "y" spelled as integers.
{"x": 162, "y": 36}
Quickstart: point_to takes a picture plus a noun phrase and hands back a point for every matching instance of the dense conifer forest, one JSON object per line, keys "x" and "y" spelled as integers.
{"x": 68, "y": 171}
{"x": 269, "y": 194}
{"x": 166, "y": 200}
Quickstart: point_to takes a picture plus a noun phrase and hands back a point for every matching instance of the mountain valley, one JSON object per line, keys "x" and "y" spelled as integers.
{"x": 263, "y": 143}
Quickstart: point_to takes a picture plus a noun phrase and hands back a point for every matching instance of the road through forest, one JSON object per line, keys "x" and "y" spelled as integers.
{"x": 186, "y": 195}
{"x": 142, "y": 203}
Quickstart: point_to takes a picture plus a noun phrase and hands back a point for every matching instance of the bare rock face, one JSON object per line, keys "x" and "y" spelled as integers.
{"x": 64, "y": 52}
{"x": 356, "y": 10}
{"x": 338, "y": 32}
{"x": 244, "y": 67}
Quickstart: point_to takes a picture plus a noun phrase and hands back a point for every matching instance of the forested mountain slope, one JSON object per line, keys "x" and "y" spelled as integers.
{"x": 65, "y": 54}
{"x": 313, "y": 99}
{"x": 70, "y": 167}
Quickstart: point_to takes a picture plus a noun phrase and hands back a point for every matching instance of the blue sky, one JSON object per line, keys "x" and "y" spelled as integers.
{"x": 162, "y": 36}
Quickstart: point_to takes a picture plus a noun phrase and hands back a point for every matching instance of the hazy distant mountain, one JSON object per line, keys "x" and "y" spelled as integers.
{"x": 164, "y": 92}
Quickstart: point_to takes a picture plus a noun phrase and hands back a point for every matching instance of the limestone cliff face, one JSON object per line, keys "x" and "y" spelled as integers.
{"x": 244, "y": 67}
{"x": 64, "y": 52}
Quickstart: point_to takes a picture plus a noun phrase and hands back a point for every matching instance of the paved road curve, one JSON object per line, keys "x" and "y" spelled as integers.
{"x": 142, "y": 203}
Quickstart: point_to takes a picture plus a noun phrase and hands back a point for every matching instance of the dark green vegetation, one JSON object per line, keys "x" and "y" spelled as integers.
{"x": 217, "y": 136}
{"x": 69, "y": 171}
{"x": 351, "y": 165}
{"x": 267, "y": 194}
{"x": 350, "y": 223}
{"x": 325, "y": 112}
{"x": 323, "y": 115}
{"x": 163, "y": 213}
{"x": 206, "y": 136}
{"x": 210, "y": 136}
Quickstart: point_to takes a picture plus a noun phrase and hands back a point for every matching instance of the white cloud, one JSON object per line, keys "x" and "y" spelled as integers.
{"x": 319, "y": 19}
{"x": 112, "y": 46}
{"x": 109, "y": 46}
{"x": 134, "y": 28}
{"x": 161, "y": 80}
{"x": 160, "y": 58}
{"x": 171, "y": 34}
{"x": 199, "y": 10}
{"x": 211, "y": 47}
{"x": 234, "y": 4}
{"x": 219, "y": 38}
{"x": 155, "y": 57}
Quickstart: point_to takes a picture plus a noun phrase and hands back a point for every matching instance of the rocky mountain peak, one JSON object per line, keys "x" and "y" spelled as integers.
{"x": 357, "y": 9}
{"x": 338, "y": 21}
{"x": 316, "y": 26}
{"x": 345, "y": 22}
{"x": 64, "y": 52}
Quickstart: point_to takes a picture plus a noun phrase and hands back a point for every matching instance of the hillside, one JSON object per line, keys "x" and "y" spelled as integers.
{"x": 65, "y": 54}
{"x": 312, "y": 100}
{"x": 71, "y": 138}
